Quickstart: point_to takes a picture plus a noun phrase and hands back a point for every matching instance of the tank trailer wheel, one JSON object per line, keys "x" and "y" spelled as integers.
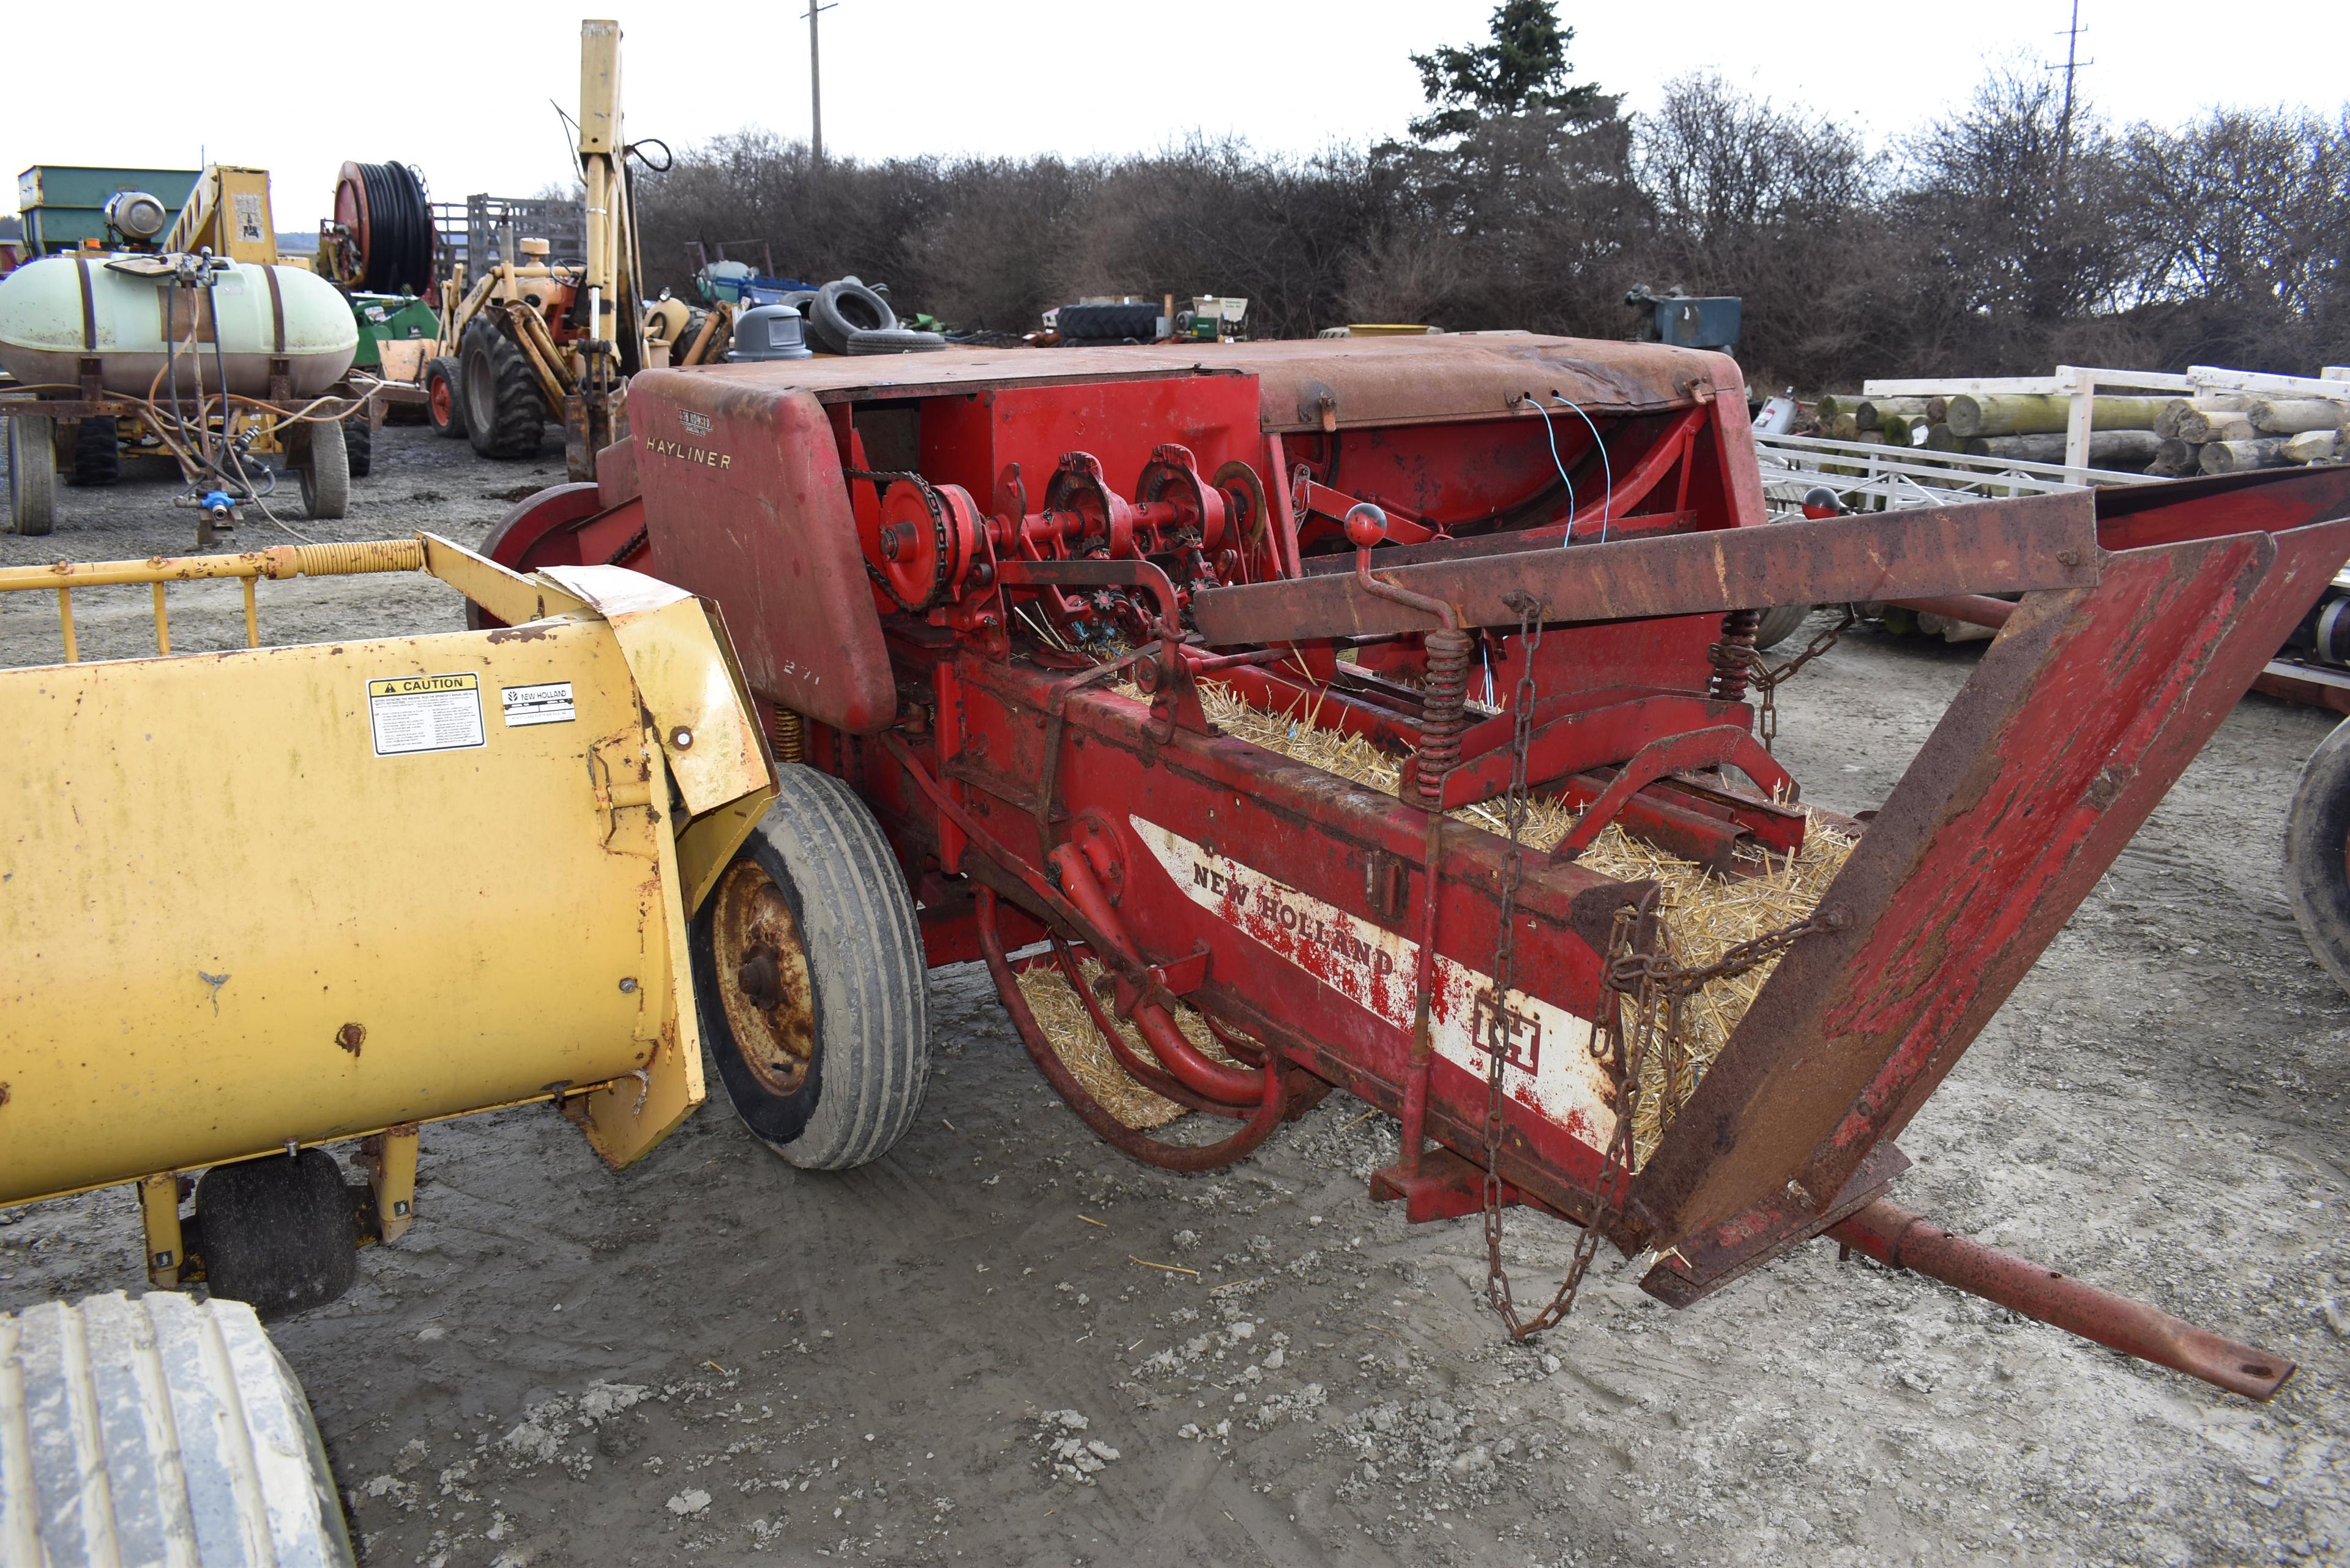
{"x": 324, "y": 470}
{"x": 2317, "y": 854}
{"x": 159, "y": 1419}
{"x": 279, "y": 1234}
{"x": 505, "y": 417}
{"x": 809, "y": 972}
{"x": 32, "y": 473}
{"x": 359, "y": 441}
{"x": 444, "y": 407}
{"x": 98, "y": 450}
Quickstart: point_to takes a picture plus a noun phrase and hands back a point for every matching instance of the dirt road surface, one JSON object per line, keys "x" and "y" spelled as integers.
{"x": 1002, "y": 1344}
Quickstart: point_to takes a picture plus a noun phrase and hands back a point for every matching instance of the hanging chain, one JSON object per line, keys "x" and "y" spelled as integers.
{"x": 1767, "y": 678}
{"x": 1639, "y": 982}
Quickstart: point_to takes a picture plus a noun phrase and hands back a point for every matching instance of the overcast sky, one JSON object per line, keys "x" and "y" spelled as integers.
{"x": 466, "y": 95}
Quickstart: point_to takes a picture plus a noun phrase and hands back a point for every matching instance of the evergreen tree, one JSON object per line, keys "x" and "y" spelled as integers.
{"x": 1523, "y": 67}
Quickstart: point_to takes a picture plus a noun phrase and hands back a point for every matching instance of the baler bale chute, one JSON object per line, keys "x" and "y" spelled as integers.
{"x": 988, "y": 590}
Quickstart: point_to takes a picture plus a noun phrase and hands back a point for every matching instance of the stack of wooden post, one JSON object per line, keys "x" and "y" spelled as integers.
{"x": 2215, "y": 432}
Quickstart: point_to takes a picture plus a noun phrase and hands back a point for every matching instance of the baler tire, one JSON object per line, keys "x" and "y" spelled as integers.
{"x": 506, "y": 417}
{"x": 278, "y": 1234}
{"x": 325, "y": 472}
{"x": 844, "y": 306}
{"x": 158, "y": 1418}
{"x": 359, "y": 442}
{"x": 32, "y": 473}
{"x": 2317, "y": 854}
{"x": 98, "y": 450}
{"x": 858, "y": 956}
{"x": 1779, "y": 624}
{"x": 445, "y": 398}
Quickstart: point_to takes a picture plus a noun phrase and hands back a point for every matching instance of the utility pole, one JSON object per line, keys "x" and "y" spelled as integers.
{"x": 816, "y": 86}
{"x": 2065, "y": 120}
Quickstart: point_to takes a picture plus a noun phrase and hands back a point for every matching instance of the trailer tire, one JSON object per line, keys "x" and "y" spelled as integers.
{"x": 98, "y": 450}
{"x": 32, "y": 472}
{"x": 325, "y": 472}
{"x": 894, "y": 340}
{"x": 506, "y": 417}
{"x": 444, "y": 401}
{"x": 358, "y": 444}
{"x": 2317, "y": 854}
{"x": 158, "y": 1427}
{"x": 276, "y": 1234}
{"x": 844, "y": 306}
{"x": 1779, "y": 624}
{"x": 823, "y": 1054}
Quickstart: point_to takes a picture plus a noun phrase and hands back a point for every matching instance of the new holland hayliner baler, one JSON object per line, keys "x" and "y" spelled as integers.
{"x": 980, "y": 595}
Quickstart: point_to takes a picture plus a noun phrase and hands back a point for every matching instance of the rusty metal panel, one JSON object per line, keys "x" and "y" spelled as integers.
{"x": 746, "y": 506}
{"x": 2006, "y": 546}
{"x": 2081, "y": 714}
{"x": 2271, "y": 500}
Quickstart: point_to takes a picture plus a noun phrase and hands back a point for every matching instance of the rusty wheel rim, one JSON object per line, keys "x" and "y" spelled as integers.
{"x": 443, "y": 406}
{"x": 763, "y": 985}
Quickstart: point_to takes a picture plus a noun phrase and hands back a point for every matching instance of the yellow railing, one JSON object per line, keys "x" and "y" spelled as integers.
{"x": 250, "y": 567}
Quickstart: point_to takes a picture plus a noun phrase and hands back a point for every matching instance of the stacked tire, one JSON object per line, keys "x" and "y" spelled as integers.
{"x": 1107, "y": 323}
{"x": 845, "y": 316}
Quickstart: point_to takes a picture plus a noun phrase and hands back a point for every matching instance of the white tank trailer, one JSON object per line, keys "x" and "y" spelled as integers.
{"x": 123, "y": 309}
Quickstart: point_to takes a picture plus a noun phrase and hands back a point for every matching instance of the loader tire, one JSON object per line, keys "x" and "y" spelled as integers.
{"x": 808, "y": 967}
{"x": 276, "y": 1234}
{"x": 2317, "y": 854}
{"x": 32, "y": 473}
{"x": 325, "y": 472}
{"x": 1779, "y": 624}
{"x": 98, "y": 450}
{"x": 444, "y": 400}
{"x": 505, "y": 417}
{"x": 158, "y": 1429}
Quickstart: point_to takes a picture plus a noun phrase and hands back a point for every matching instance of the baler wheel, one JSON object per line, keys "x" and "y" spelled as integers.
{"x": 813, "y": 989}
{"x": 1779, "y": 624}
{"x": 444, "y": 404}
{"x": 506, "y": 417}
{"x": 2317, "y": 854}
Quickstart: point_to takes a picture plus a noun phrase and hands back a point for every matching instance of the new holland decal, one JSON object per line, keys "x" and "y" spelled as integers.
{"x": 1547, "y": 1066}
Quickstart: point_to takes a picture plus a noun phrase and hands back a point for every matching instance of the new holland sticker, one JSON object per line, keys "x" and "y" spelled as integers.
{"x": 1547, "y": 1063}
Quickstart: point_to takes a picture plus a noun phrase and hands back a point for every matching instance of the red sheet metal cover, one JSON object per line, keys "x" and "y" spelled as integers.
{"x": 746, "y": 506}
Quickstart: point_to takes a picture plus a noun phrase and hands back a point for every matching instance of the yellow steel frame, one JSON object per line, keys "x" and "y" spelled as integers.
{"x": 291, "y": 975}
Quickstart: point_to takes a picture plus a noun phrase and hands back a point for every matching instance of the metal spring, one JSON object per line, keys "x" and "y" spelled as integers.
{"x": 790, "y": 735}
{"x": 1733, "y": 656}
{"x": 1442, "y": 714}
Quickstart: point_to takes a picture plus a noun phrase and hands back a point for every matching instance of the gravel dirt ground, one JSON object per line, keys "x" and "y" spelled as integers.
{"x": 961, "y": 1352}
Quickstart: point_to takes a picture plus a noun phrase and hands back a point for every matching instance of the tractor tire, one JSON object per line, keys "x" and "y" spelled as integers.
{"x": 325, "y": 472}
{"x": 98, "y": 450}
{"x": 506, "y": 417}
{"x": 32, "y": 473}
{"x": 809, "y": 971}
{"x": 1108, "y": 323}
{"x": 358, "y": 444}
{"x": 444, "y": 401}
{"x": 279, "y": 1234}
{"x": 894, "y": 340}
{"x": 1780, "y": 624}
{"x": 159, "y": 1429}
{"x": 844, "y": 306}
{"x": 2317, "y": 854}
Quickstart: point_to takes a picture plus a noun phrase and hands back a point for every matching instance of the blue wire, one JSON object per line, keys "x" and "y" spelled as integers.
{"x": 1607, "y": 467}
{"x": 1562, "y": 479}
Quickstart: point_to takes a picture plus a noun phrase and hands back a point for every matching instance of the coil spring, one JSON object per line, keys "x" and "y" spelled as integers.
{"x": 348, "y": 558}
{"x": 790, "y": 736}
{"x": 1442, "y": 714}
{"x": 1733, "y": 656}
